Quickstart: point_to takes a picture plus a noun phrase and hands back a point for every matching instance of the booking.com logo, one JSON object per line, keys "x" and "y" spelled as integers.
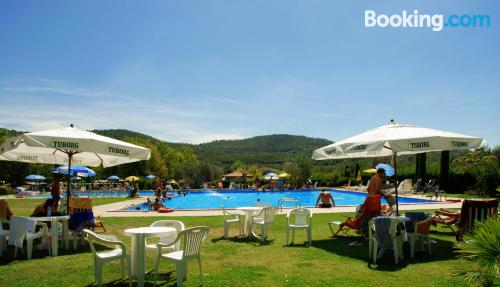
{"x": 436, "y": 22}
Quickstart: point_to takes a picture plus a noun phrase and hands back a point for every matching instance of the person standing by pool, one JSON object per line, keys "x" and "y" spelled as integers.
{"x": 55, "y": 190}
{"x": 135, "y": 190}
{"x": 375, "y": 191}
{"x": 326, "y": 199}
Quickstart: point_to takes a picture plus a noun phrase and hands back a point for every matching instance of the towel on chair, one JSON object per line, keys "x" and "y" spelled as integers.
{"x": 382, "y": 225}
{"x": 414, "y": 218}
{"x": 81, "y": 220}
{"x": 79, "y": 203}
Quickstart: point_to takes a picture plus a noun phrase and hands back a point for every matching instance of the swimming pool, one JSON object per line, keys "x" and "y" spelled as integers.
{"x": 236, "y": 198}
{"x": 95, "y": 194}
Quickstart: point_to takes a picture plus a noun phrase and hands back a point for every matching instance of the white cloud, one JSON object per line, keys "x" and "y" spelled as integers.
{"x": 226, "y": 100}
{"x": 34, "y": 86}
{"x": 29, "y": 107}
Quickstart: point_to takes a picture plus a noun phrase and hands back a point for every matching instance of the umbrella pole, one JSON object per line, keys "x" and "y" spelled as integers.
{"x": 68, "y": 191}
{"x": 394, "y": 163}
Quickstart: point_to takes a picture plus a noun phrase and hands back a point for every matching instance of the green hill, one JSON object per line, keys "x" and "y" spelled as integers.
{"x": 269, "y": 150}
{"x": 121, "y": 134}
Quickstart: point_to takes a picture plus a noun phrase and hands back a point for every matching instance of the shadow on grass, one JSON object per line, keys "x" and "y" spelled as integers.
{"x": 151, "y": 279}
{"x": 246, "y": 240}
{"x": 340, "y": 245}
{"x": 8, "y": 256}
{"x": 442, "y": 232}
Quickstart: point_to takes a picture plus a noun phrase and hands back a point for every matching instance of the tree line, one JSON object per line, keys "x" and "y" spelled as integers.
{"x": 208, "y": 162}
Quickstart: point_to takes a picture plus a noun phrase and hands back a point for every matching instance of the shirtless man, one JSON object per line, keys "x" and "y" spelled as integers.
{"x": 377, "y": 182}
{"x": 375, "y": 191}
{"x": 326, "y": 199}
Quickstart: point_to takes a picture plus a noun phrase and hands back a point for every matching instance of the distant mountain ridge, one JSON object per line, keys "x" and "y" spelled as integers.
{"x": 270, "y": 150}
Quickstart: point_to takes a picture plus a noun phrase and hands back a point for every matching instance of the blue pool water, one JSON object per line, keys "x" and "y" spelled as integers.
{"x": 237, "y": 198}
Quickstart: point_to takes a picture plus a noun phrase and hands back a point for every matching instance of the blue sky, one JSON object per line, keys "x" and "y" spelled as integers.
{"x": 196, "y": 71}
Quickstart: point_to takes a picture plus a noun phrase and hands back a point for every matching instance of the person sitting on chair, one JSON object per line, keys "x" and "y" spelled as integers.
{"x": 150, "y": 204}
{"x": 44, "y": 209}
{"x": 326, "y": 199}
{"x": 5, "y": 212}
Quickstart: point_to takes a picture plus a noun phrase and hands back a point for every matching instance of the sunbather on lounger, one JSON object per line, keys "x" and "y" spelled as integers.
{"x": 446, "y": 216}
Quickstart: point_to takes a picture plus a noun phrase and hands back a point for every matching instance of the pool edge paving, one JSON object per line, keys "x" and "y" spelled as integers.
{"x": 114, "y": 209}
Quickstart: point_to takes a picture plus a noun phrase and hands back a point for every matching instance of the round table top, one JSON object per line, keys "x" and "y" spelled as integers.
{"x": 401, "y": 217}
{"x": 50, "y": 218}
{"x": 149, "y": 230}
{"x": 250, "y": 208}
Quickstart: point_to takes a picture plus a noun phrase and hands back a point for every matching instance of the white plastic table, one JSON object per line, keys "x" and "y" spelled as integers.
{"x": 249, "y": 212}
{"x": 53, "y": 230}
{"x": 139, "y": 236}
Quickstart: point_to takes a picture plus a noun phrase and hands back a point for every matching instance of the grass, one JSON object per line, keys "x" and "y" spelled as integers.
{"x": 241, "y": 262}
{"x": 468, "y": 196}
{"x": 25, "y": 206}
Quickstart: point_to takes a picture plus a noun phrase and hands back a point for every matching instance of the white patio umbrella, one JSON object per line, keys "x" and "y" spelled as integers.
{"x": 71, "y": 146}
{"x": 270, "y": 175}
{"x": 396, "y": 139}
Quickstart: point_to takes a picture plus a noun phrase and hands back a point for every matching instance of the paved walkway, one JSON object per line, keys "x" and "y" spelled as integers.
{"x": 111, "y": 210}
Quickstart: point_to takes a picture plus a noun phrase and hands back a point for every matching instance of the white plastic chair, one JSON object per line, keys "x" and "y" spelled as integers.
{"x": 230, "y": 218}
{"x": 264, "y": 219}
{"x": 166, "y": 240}
{"x": 421, "y": 237}
{"x": 299, "y": 218}
{"x": 24, "y": 228}
{"x": 190, "y": 239}
{"x": 284, "y": 200}
{"x": 119, "y": 252}
{"x": 396, "y": 240}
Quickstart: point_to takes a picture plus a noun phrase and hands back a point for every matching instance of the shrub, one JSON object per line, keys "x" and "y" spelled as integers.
{"x": 345, "y": 180}
{"x": 482, "y": 246}
{"x": 461, "y": 183}
{"x": 4, "y": 190}
{"x": 482, "y": 166}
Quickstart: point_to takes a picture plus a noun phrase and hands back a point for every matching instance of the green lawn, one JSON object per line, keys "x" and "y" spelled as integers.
{"x": 25, "y": 206}
{"x": 237, "y": 262}
{"x": 467, "y": 196}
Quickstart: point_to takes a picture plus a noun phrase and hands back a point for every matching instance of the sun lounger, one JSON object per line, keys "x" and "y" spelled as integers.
{"x": 358, "y": 223}
{"x": 472, "y": 210}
